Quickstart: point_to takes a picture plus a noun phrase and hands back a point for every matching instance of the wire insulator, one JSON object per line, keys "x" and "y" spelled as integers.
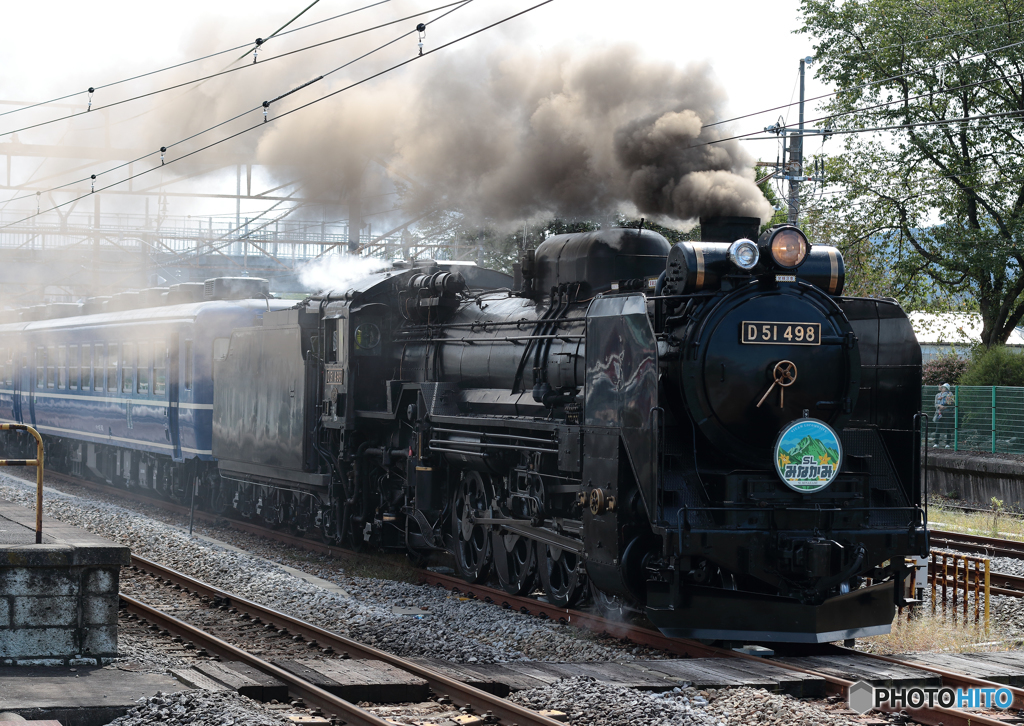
{"x": 256, "y": 49}
{"x": 37, "y": 201}
{"x": 93, "y": 191}
{"x": 163, "y": 150}
{"x": 266, "y": 105}
{"x": 91, "y": 91}
{"x": 422, "y": 30}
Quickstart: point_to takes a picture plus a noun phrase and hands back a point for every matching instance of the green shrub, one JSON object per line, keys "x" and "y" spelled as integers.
{"x": 997, "y": 366}
{"x": 947, "y": 368}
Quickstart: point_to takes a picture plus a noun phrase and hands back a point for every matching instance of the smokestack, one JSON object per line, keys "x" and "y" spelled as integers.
{"x": 729, "y": 229}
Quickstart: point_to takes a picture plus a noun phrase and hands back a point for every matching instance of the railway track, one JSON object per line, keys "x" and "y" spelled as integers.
{"x": 992, "y": 546}
{"x": 693, "y": 649}
{"x": 462, "y": 693}
{"x": 479, "y": 701}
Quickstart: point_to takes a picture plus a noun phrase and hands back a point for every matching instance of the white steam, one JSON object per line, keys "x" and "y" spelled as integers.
{"x": 337, "y": 272}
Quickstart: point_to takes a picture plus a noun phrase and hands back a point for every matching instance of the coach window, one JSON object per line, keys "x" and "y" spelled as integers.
{"x": 127, "y": 367}
{"x": 143, "y": 383}
{"x": 188, "y": 365}
{"x": 220, "y": 348}
{"x": 73, "y": 369}
{"x": 51, "y": 366}
{"x": 62, "y": 367}
{"x": 40, "y": 367}
{"x": 112, "y": 367}
{"x": 10, "y": 366}
{"x": 99, "y": 365}
{"x": 86, "y": 367}
{"x": 159, "y": 368}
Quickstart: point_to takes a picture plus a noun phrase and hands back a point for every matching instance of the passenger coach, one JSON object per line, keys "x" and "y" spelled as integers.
{"x": 128, "y": 394}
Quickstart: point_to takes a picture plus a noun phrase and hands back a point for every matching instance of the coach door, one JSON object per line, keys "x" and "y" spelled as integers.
{"x": 173, "y": 356}
{"x": 18, "y": 367}
{"x": 24, "y": 402}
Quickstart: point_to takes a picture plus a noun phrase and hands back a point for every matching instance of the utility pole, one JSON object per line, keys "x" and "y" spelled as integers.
{"x": 796, "y": 154}
{"x": 793, "y": 170}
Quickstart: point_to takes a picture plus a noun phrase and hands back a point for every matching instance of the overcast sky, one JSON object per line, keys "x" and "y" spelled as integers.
{"x": 57, "y": 47}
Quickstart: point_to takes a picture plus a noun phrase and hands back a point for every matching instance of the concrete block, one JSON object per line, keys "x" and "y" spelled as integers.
{"x": 99, "y": 610}
{"x": 100, "y": 580}
{"x": 5, "y": 613}
{"x": 36, "y": 642}
{"x": 100, "y": 640}
{"x": 23, "y": 581}
{"x": 39, "y": 662}
{"x": 35, "y": 612}
{"x": 82, "y": 661}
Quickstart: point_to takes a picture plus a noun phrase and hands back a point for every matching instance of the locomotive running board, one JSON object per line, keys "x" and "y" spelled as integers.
{"x": 707, "y": 613}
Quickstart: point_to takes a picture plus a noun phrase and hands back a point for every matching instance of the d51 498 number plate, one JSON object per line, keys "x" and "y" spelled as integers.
{"x": 761, "y": 332}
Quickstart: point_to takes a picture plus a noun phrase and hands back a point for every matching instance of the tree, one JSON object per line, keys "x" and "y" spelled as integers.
{"x": 934, "y": 207}
{"x": 947, "y": 368}
{"x": 995, "y": 366}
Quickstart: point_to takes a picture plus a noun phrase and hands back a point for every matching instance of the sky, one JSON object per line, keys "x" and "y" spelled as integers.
{"x": 59, "y": 47}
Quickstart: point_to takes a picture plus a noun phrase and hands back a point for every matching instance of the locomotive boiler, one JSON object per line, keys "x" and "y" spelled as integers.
{"x": 708, "y": 432}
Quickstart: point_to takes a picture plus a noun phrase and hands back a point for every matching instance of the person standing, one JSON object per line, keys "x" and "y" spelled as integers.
{"x": 945, "y": 414}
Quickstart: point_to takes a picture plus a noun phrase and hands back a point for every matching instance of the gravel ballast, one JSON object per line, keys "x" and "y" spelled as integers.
{"x": 585, "y": 701}
{"x": 200, "y": 708}
{"x": 449, "y": 627}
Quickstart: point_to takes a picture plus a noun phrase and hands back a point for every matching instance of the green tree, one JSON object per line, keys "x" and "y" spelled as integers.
{"x": 995, "y": 366}
{"x": 947, "y": 368}
{"x": 935, "y": 207}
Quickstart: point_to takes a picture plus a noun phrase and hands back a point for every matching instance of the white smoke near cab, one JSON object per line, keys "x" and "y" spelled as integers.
{"x": 337, "y": 272}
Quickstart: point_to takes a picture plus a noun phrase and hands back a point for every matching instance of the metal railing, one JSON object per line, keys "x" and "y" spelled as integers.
{"x": 37, "y": 463}
{"x": 982, "y": 418}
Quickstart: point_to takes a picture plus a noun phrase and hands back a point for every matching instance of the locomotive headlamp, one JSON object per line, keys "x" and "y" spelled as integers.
{"x": 789, "y": 247}
{"x": 744, "y": 254}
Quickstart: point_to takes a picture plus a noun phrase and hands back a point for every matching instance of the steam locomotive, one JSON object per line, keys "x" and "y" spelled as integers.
{"x": 707, "y": 431}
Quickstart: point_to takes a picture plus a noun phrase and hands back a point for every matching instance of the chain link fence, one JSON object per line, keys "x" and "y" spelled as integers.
{"x": 982, "y": 418}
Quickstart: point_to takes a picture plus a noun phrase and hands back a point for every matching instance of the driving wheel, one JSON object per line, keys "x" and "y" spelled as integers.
{"x": 471, "y": 541}
{"x": 515, "y": 560}
{"x": 562, "y": 575}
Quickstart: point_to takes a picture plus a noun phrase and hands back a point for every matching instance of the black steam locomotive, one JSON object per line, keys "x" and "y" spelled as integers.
{"x": 708, "y": 431}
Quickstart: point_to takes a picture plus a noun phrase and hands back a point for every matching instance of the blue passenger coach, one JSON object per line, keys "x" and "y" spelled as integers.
{"x": 126, "y": 396}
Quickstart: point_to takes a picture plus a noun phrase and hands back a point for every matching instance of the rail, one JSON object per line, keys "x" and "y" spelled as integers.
{"x": 640, "y": 635}
{"x": 212, "y": 644}
{"x": 834, "y": 685}
{"x": 506, "y": 711}
{"x": 991, "y": 546}
{"x": 37, "y": 463}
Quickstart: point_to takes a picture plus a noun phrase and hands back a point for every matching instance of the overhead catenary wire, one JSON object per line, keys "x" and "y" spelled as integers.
{"x": 194, "y": 60}
{"x": 265, "y": 105}
{"x": 936, "y": 122}
{"x": 226, "y": 71}
{"x": 236, "y": 134}
{"x": 260, "y": 41}
{"x": 865, "y": 85}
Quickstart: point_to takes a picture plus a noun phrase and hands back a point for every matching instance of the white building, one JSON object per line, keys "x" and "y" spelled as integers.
{"x": 940, "y": 334}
